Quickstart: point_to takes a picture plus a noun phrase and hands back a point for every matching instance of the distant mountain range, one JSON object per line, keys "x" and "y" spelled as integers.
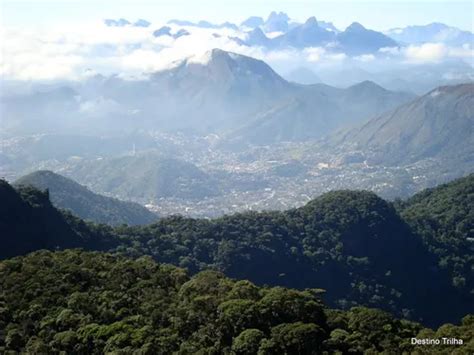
{"x": 354, "y": 40}
{"x": 317, "y": 110}
{"x": 217, "y": 92}
{"x": 229, "y": 91}
{"x": 82, "y": 202}
{"x": 123, "y": 22}
{"x": 434, "y": 32}
{"x": 438, "y": 124}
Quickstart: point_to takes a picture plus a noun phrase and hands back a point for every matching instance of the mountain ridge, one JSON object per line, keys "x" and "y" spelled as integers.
{"x": 420, "y": 129}
{"x": 352, "y": 243}
{"x": 68, "y": 194}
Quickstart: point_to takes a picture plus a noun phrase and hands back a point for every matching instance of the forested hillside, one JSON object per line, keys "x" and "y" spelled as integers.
{"x": 82, "y": 202}
{"x": 444, "y": 218}
{"x": 78, "y": 302}
{"x": 353, "y": 244}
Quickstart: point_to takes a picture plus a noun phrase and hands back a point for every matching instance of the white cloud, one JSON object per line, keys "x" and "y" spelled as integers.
{"x": 365, "y": 58}
{"x": 74, "y": 52}
{"x": 427, "y": 52}
{"x": 314, "y": 54}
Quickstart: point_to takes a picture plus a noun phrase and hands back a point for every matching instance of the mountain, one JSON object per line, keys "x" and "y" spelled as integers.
{"x": 351, "y": 243}
{"x": 29, "y": 222}
{"x": 309, "y": 34}
{"x": 302, "y": 75}
{"x": 357, "y": 40}
{"x": 144, "y": 178}
{"x": 217, "y": 92}
{"x": 141, "y": 23}
{"x": 166, "y": 31}
{"x": 203, "y": 24}
{"x": 221, "y": 89}
{"x": 436, "y": 125}
{"x": 252, "y": 22}
{"x": 256, "y": 37}
{"x": 276, "y": 22}
{"x": 123, "y": 22}
{"x": 370, "y": 99}
{"x": 67, "y": 194}
{"x": 434, "y": 33}
{"x": 316, "y": 111}
{"x": 219, "y": 67}
{"x": 162, "y": 31}
{"x": 328, "y": 26}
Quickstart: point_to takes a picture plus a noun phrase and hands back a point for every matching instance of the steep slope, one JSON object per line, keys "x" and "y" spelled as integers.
{"x": 276, "y": 22}
{"x": 256, "y": 37}
{"x": 28, "y": 222}
{"x": 438, "y": 124}
{"x": 67, "y": 194}
{"x": 444, "y": 218}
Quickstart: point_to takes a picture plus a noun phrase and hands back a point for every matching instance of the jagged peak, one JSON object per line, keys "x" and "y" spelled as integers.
{"x": 355, "y": 26}
{"x": 311, "y": 21}
{"x": 278, "y": 16}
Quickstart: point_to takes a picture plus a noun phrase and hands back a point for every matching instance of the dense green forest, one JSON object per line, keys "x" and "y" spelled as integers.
{"x": 82, "y": 202}
{"x": 411, "y": 258}
{"x": 444, "y": 218}
{"x": 76, "y": 302}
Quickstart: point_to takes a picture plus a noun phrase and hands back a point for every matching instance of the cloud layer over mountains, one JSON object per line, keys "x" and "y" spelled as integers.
{"x": 131, "y": 48}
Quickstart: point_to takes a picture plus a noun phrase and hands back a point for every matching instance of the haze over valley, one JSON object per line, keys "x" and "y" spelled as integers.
{"x": 218, "y": 132}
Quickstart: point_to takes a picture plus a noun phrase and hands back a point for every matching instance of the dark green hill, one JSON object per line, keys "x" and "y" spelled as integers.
{"x": 68, "y": 194}
{"x": 351, "y": 243}
{"x": 93, "y": 303}
{"x": 28, "y": 222}
{"x": 444, "y": 218}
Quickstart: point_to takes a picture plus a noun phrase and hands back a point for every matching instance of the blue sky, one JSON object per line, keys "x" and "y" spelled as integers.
{"x": 375, "y": 14}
